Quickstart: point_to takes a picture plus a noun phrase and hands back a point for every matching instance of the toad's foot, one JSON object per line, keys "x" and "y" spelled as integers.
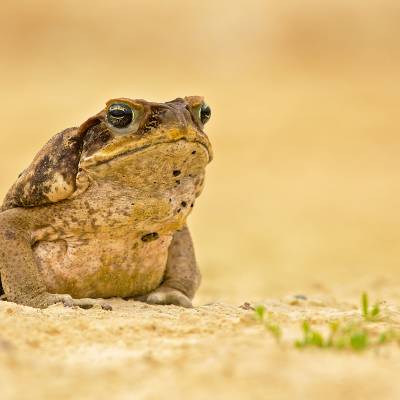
{"x": 47, "y": 299}
{"x": 166, "y": 295}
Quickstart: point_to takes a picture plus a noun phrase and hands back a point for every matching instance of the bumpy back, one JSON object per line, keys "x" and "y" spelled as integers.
{"x": 51, "y": 177}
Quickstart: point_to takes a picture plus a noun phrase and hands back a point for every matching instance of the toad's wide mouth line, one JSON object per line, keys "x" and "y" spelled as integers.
{"x": 144, "y": 147}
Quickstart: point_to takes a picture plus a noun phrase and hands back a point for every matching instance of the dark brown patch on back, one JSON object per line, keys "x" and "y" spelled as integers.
{"x": 96, "y": 138}
{"x": 59, "y": 157}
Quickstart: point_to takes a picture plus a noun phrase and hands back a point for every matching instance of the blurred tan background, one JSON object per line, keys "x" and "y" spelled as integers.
{"x": 304, "y": 192}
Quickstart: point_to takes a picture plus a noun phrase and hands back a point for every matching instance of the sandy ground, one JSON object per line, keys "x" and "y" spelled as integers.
{"x": 213, "y": 351}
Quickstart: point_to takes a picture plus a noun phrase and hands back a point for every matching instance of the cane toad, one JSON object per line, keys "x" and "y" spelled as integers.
{"x": 101, "y": 211}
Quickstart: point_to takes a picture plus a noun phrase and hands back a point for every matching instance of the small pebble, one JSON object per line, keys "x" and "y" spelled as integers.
{"x": 246, "y": 306}
{"x": 106, "y": 307}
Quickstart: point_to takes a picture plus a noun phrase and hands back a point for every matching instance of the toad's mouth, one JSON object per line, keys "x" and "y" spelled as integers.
{"x": 105, "y": 156}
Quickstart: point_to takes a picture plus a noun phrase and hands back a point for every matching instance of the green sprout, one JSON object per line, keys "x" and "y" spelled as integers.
{"x": 369, "y": 314}
{"x": 271, "y": 326}
{"x": 311, "y": 337}
{"x": 359, "y": 340}
{"x": 260, "y": 312}
{"x": 275, "y": 330}
{"x": 354, "y": 334}
{"x": 351, "y": 335}
{"x": 340, "y": 337}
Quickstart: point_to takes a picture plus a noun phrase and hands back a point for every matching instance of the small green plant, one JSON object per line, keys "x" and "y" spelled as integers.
{"x": 271, "y": 326}
{"x": 311, "y": 337}
{"x": 355, "y": 334}
{"x": 388, "y": 336}
{"x": 347, "y": 336}
{"x": 333, "y": 328}
{"x": 359, "y": 340}
{"x": 352, "y": 335}
{"x": 275, "y": 330}
{"x": 369, "y": 314}
{"x": 260, "y": 312}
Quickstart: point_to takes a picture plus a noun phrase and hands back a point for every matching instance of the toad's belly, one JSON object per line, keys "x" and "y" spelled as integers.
{"x": 100, "y": 266}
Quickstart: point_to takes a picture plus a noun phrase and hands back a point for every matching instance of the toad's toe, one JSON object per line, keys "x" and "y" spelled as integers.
{"x": 169, "y": 296}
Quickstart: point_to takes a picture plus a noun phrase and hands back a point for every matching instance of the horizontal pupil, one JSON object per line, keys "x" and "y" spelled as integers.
{"x": 119, "y": 113}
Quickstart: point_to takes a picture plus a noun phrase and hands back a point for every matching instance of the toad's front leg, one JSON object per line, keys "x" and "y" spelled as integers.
{"x": 182, "y": 276}
{"x": 19, "y": 273}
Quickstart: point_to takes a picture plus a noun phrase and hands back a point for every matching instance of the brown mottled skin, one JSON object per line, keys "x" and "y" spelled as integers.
{"x": 101, "y": 211}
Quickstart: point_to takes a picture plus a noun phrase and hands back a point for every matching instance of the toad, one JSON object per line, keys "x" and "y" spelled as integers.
{"x": 101, "y": 211}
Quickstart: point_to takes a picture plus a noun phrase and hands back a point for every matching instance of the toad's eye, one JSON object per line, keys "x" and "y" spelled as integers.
{"x": 119, "y": 115}
{"x": 204, "y": 113}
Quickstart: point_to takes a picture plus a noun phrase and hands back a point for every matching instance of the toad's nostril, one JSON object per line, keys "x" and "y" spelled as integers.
{"x": 150, "y": 237}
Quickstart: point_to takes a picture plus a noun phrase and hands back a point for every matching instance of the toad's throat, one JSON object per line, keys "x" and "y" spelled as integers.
{"x": 103, "y": 157}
